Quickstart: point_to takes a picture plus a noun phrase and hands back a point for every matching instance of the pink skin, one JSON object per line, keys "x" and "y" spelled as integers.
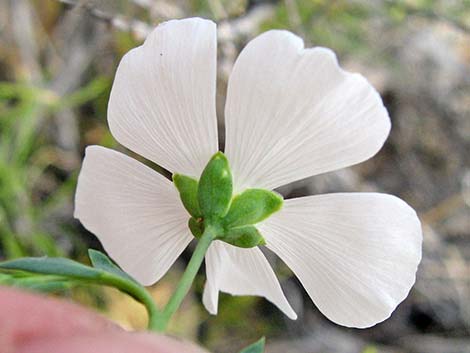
{"x": 31, "y": 323}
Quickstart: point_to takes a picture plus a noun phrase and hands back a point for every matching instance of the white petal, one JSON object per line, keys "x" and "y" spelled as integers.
{"x": 241, "y": 272}
{"x": 356, "y": 254}
{"x": 292, "y": 113}
{"x": 162, "y": 103}
{"x": 134, "y": 211}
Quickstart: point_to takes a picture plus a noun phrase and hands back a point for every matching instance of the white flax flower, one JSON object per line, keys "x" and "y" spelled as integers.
{"x": 290, "y": 113}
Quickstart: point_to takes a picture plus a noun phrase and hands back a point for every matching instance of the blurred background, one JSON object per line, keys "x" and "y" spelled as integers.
{"x": 57, "y": 62}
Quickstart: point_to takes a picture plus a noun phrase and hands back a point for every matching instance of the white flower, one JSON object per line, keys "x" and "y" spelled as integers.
{"x": 290, "y": 113}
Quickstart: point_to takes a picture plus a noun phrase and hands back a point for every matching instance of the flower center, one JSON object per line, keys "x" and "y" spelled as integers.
{"x": 211, "y": 203}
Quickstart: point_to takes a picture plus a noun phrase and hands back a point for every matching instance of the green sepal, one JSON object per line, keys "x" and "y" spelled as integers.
{"x": 215, "y": 187}
{"x": 257, "y": 347}
{"x": 243, "y": 237}
{"x": 187, "y": 188}
{"x": 196, "y": 226}
{"x": 102, "y": 262}
{"x": 252, "y": 206}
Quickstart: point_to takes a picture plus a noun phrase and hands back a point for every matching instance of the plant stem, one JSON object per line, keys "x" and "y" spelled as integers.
{"x": 138, "y": 293}
{"x": 186, "y": 280}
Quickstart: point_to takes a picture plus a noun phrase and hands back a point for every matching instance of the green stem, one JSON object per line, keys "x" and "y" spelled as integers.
{"x": 186, "y": 280}
{"x": 138, "y": 293}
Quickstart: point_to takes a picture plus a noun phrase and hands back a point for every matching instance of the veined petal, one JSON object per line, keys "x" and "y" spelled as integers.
{"x": 134, "y": 211}
{"x": 292, "y": 113}
{"x": 356, "y": 254}
{"x": 240, "y": 271}
{"x": 162, "y": 103}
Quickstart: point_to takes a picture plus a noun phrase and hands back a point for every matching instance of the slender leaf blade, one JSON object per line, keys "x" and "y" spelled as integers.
{"x": 257, "y": 347}
{"x": 52, "y": 266}
{"x": 45, "y": 283}
{"x": 102, "y": 262}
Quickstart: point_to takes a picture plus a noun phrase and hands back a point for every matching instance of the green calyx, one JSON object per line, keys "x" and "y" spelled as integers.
{"x": 210, "y": 202}
{"x": 187, "y": 188}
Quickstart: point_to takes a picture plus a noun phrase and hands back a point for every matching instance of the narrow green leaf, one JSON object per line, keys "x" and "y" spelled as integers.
{"x": 252, "y": 206}
{"x": 187, "y": 188}
{"x": 105, "y": 273}
{"x": 215, "y": 187}
{"x": 11, "y": 245}
{"x": 257, "y": 347}
{"x": 243, "y": 237}
{"x": 6, "y": 279}
{"x": 52, "y": 266}
{"x": 42, "y": 283}
{"x": 85, "y": 94}
{"x": 102, "y": 262}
